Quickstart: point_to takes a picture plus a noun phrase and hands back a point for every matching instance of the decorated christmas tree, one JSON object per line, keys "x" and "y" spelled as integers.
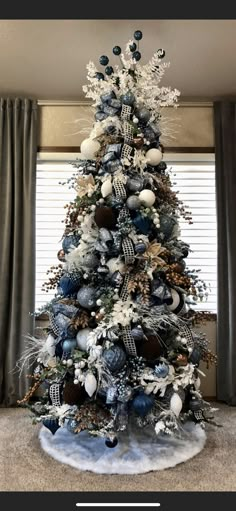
{"x": 120, "y": 344}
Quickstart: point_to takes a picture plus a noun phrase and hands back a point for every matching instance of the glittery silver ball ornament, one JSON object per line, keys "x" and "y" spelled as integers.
{"x": 90, "y": 261}
{"x": 128, "y": 98}
{"x": 143, "y": 114}
{"x": 115, "y": 358}
{"x": 87, "y": 297}
{"x": 135, "y": 185}
{"x": 133, "y": 202}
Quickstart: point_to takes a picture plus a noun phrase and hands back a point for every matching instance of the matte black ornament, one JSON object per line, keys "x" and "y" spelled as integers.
{"x": 138, "y": 35}
{"x": 109, "y": 70}
{"x": 161, "y": 53}
{"x": 104, "y": 60}
{"x": 117, "y": 50}
{"x": 115, "y": 358}
{"x": 137, "y": 55}
{"x": 51, "y": 424}
{"x": 111, "y": 442}
{"x": 133, "y": 47}
{"x": 99, "y": 76}
{"x": 162, "y": 166}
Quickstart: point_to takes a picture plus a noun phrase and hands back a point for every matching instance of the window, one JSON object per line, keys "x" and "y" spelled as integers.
{"x": 51, "y": 198}
{"x": 195, "y": 181}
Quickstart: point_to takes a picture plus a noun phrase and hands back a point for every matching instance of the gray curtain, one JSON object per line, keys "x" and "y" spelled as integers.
{"x": 18, "y": 150}
{"x": 225, "y": 147}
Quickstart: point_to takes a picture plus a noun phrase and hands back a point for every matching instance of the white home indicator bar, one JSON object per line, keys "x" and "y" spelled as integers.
{"x": 121, "y": 504}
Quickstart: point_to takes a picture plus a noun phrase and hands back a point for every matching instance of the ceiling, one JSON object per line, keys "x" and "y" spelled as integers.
{"x": 46, "y": 59}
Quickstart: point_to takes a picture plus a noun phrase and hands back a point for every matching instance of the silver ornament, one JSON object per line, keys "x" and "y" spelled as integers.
{"x": 86, "y": 297}
{"x": 133, "y": 202}
{"x": 135, "y": 185}
{"x": 90, "y": 261}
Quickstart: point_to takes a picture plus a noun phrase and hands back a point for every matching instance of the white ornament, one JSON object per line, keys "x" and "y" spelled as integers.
{"x": 176, "y": 404}
{"x": 154, "y": 156}
{"x": 82, "y": 337}
{"x": 69, "y": 362}
{"x": 64, "y": 362}
{"x": 89, "y": 148}
{"x": 197, "y": 383}
{"x": 99, "y": 302}
{"x": 76, "y": 381}
{"x": 147, "y": 197}
{"x": 90, "y": 384}
{"x": 78, "y": 372}
{"x": 82, "y": 364}
{"x": 106, "y": 188}
{"x": 176, "y": 300}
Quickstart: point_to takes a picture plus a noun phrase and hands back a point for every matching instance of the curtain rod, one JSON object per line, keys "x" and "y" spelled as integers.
{"x": 48, "y": 102}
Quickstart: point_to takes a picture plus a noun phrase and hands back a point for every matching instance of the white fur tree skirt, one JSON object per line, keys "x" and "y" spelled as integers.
{"x": 136, "y": 453}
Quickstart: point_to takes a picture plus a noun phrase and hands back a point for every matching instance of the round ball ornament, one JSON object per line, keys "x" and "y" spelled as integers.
{"x": 128, "y": 98}
{"x": 115, "y": 358}
{"x": 177, "y": 302}
{"x": 133, "y": 202}
{"x": 147, "y": 197}
{"x": 104, "y": 60}
{"x": 69, "y": 242}
{"x": 82, "y": 338}
{"x": 109, "y": 70}
{"x": 105, "y": 217}
{"x": 154, "y": 156}
{"x": 133, "y": 47}
{"x": 150, "y": 348}
{"x": 89, "y": 148}
{"x": 99, "y": 76}
{"x": 69, "y": 345}
{"x": 143, "y": 114}
{"x": 111, "y": 442}
{"x": 137, "y": 55}
{"x": 90, "y": 261}
{"x": 117, "y": 50}
{"x": 142, "y": 404}
{"x": 86, "y": 297}
{"x": 138, "y": 35}
{"x": 73, "y": 394}
{"x": 135, "y": 185}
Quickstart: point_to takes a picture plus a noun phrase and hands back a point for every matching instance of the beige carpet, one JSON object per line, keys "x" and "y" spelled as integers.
{"x": 25, "y": 467}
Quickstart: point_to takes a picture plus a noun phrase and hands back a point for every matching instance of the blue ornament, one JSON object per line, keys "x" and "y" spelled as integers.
{"x": 140, "y": 248}
{"x": 143, "y": 114}
{"x": 137, "y": 333}
{"x": 109, "y": 70}
{"x": 99, "y": 76}
{"x": 117, "y": 50}
{"x": 161, "y": 370}
{"x": 68, "y": 286}
{"x": 128, "y": 98}
{"x": 195, "y": 356}
{"x": 51, "y": 424}
{"x": 133, "y": 46}
{"x": 104, "y": 60}
{"x": 111, "y": 442}
{"x": 138, "y": 35}
{"x": 142, "y": 404}
{"x": 69, "y": 345}
{"x": 115, "y": 358}
{"x": 70, "y": 241}
{"x": 137, "y": 55}
{"x": 142, "y": 223}
{"x": 87, "y": 297}
{"x": 71, "y": 425}
{"x": 161, "y": 53}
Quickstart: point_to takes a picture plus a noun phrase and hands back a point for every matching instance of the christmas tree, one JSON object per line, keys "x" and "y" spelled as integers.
{"x": 121, "y": 344}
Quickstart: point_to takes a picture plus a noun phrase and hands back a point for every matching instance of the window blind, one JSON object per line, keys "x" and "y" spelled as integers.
{"x": 195, "y": 184}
